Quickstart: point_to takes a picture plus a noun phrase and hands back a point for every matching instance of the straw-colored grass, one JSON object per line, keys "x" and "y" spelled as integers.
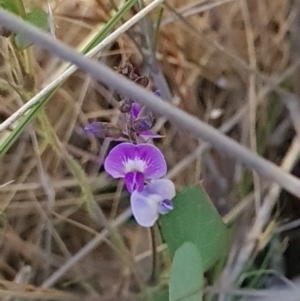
{"x": 219, "y": 60}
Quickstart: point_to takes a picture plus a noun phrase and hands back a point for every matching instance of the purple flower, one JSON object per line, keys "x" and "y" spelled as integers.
{"x": 135, "y": 163}
{"x": 155, "y": 199}
{"x": 142, "y": 122}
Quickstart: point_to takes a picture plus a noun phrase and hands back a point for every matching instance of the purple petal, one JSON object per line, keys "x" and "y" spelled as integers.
{"x": 135, "y": 110}
{"x": 163, "y": 187}
{"x": 155, "y": 164}
{"x": 114, "y": 163}
{"x": 127, "y": 157}
{"x": 104, "y": 130}
{"x": 154, "y": 199}
{"x": 157, "y": 93}
{"x": 134, "y": 181}
{"x": 95, "y": 128}
{"x": 142, "y": 124}
{"x": 165, "y": 206}
{"x": 144, "y": 209}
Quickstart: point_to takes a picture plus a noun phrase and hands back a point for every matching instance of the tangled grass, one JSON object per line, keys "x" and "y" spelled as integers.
{"x": 231, "y": 63}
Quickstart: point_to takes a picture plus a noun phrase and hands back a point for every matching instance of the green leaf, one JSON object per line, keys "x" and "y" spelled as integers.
{"x": 186, "y": 276}
{"x": 195, "y": 219}
{"x": 157, "y": 294}
{"x": 36, "y": 17}
{"x": 14, "y": 6}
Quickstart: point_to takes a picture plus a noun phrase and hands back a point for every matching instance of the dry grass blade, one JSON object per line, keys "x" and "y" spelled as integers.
{"x": 227, "y": 72}
{"x": 192, "y": 124}
{"x": 29, "y": 292}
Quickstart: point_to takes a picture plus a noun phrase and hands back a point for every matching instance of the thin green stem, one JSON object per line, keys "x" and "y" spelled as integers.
{"x": 154, "y": 275}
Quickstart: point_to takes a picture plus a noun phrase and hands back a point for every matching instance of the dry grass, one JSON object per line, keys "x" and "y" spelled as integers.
{"x": 213, "y": 55}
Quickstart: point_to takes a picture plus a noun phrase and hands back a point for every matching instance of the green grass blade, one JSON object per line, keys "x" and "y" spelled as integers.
{"x": 109, "y": 25}
{"x": 9, "y": 139}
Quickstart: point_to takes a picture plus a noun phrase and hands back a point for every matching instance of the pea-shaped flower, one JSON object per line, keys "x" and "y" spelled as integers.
{"x": 156, "y": 198}
{"x": 135, "y": 163}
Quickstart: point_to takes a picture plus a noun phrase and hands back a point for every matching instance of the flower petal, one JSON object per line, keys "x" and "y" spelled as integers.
{"x": 142, "y": 124}
{"x": 135, "y": 110}
{"x": 114, "y": 163}
{"x": 155, "y": 164}
{"x": 163, "y": 187}
{"x": 104, "y": 130}
{"x": 157, "y": 93}
{"x": 165, "y": 206}
{"x": 154, "y": 199}
{"x": 128, "y": 157}
{"x": 144, "y": 209}
{"x": 134, "y": 181}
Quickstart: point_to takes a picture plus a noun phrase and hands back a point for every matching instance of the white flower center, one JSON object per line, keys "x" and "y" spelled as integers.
{"x": 134, "y": 165}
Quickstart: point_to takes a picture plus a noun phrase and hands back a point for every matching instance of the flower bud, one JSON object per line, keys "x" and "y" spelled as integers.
{"x": 142, "y": 124}
{"x": 104, "y": 130}
{"x": 145, "y": 113}
{"x": 96, "y": 128}
{"x": 125, "y": 105}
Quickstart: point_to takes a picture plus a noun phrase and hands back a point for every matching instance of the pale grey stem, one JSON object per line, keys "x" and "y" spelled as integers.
{"x": 179, "y": 117}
